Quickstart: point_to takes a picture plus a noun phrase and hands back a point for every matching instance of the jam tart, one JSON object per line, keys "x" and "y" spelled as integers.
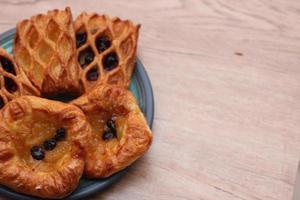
{"x": 42, "y": 146}
{"x": 119, "y": 130}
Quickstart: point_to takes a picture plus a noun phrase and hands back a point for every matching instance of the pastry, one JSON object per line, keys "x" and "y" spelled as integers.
{"x": 46, "y": 145}
{"x": 13, "y": 81}
{"x": 42, "y": 146}
{"x": 119, "y": 130}
{"x": 44, "y": 47}
{"x": 106, "y": 49}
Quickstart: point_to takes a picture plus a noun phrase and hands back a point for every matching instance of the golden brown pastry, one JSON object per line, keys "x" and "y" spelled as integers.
{"x": 13, "y": 81}
{"x": 44, "y": 47}
{"x": 120, "y": 131}
{"x": 42, "y": 146}
{"x": 106, "y": 49}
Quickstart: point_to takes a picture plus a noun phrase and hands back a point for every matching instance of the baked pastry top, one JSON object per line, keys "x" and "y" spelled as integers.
{"x": 119, "y": 130}
{"x": 13, "y": 81}
{"x": 106, "y": 49}
{"x": 46, "y": 145}
{"x": 42, "y": 146}
{"x": 44, "y": 47}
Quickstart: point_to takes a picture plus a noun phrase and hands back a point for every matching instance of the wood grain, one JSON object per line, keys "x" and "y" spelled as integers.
{"x": 226, "y": 78}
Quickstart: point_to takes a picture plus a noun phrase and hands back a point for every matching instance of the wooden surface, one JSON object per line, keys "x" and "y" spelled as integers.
{"x": 226, "y": 79}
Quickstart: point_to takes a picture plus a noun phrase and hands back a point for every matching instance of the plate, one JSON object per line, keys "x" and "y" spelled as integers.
{"x": 142, "y": 90}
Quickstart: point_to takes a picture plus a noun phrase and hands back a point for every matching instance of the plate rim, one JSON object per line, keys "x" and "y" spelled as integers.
{"x": 148, "y": 109}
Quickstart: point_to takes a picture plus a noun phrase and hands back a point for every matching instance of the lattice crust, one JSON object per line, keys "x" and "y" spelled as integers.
{"x": 44, "y": 48}
{"x": 13, "y": 81}
{"x": 118, "y": 36}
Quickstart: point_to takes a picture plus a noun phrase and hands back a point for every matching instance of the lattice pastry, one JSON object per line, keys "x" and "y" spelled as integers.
{"x": 106, "y": 49}
{"x": 13, "y": 81}
{"x": 44, "y": 48}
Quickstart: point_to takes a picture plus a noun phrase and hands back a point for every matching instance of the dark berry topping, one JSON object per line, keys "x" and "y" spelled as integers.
{"x": 37, "y": 153}
{"x": 50, "y": 144}
{"x": 110, "y": 61}
{"x": 60, "y": 134}
{"x": 10, "y": 85}
{"x": 80, "y": 38}
{"x": 86, "y": 57}
{"x": 111, "y": 124}
{"x": 7, "y": 65}
{"x": 89, "y": 57}
{"x": 109, "y": 134}
{"x": 110, "y": 130}
{"x": 92, "y": 74}
{"x": 1, "y": 102}
{"x": 102, "y": 43}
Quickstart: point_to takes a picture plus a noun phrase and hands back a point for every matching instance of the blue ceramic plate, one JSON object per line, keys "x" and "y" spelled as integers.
{"x": 142, "y": 90}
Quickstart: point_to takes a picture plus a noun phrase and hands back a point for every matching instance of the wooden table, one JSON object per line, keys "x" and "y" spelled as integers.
{"x": 226, "y": 79}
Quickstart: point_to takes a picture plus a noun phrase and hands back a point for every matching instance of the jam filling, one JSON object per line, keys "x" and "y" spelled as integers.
{"x": 7, "y": 65}
{"x": 92, "y": 74}
{"x": 110, "y": 61}
{"x": 10, "y": 85}
{"x": 102, "y": 43}
{"x": 80, "y": 39}
{"x": 38, "y": 152}
{"x": 85, "y": 57}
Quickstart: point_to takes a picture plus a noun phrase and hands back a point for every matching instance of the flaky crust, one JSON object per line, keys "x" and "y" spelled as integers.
{"x": 124, "y": 37}
{"x": 134, "y": 136}
{"x": 44, "y": 47}
{"x": 55, "y": 176}
{"x": 47, "y": 64}
{"x": 13, "y": 81}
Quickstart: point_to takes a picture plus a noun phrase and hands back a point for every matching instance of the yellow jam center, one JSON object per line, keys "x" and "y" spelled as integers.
{"x": 34, "y": 131}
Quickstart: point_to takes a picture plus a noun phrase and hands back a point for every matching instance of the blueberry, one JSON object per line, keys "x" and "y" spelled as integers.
{"x": 109, "y": 134}
{"x": 110, "y": 61}
{"x": 37, "y": 153}
{"x": 7, "y": 65}
{"x": 92, "y": 74}
{"x": 80, "y": 38}
{"x": 111, "y": 124}
{"x": 10, "y": 85}
{"x": 102, "y": 43}
{"x": 50, "y": 144}
{"x": 89, "y": 57}
{"x": 1, "y": 102}
{"x": 60, "y": 134}
{"x": 85, "y": 57}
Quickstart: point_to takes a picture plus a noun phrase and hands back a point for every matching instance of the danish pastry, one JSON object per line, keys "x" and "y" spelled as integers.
{"x": 46, "y": 145}
{"x": 42, "y": 146}
{"x": 106, "y": 49}
{"x": 44, "y": 47}
{"x": 119, "y": 130}
{"x": 13, "y": 81}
